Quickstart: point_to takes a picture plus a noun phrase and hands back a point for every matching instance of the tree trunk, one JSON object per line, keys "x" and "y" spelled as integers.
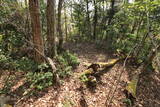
{"x": 142, "y": 43}
{"x": 95, "y": 20}
{"x": 138, "y": 27}
{"x": 51, "y": 28}
{"x": 66, "y": 27}
{"x": 36, "y": 29}
{"x": 43, "y": 19}
{"x": 88, "y": 20}
{"x": 133, "y": 26}
{"x": 112, "y": 12}
{"x": 27, "y": 23}
{"x": 59, "y": 24}
{"x": 87, "y": 6}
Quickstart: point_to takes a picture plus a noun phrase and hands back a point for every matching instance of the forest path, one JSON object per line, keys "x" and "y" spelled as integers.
{"x": 95, "y": 96}
{"x": 148, "y": 90}
{"x": 87, "y": 53}
{"x": 74, "y": 93}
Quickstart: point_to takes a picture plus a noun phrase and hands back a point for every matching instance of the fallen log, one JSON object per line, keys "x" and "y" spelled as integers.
{"x": 108, "y": 64}
{"x": 100, "y": 66}
{"x": 87, "y": 72}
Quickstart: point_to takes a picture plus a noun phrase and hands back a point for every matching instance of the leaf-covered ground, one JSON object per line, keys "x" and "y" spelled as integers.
{"x": 74, "y": 93}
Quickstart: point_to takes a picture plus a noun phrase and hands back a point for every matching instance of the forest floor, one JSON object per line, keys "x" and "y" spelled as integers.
{"x": 74, "y": 93}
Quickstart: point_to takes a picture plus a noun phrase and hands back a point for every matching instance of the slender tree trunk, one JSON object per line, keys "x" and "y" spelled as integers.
{"x": 36, "y": 29}
{"x": 79, "y": 27}
{"x": 103, "y": 2}
{"x": 137, "y": 23}
{"x": 27, "y": 23}
{"x": 133, "y": 27}
{"x": 95, "y": 20}
{"x": 112, "y": 12}
{"x": 145, "y": 36}
{"x": 51, "y": 28}
{"x": 43, "y": 19}
{"x": 138, "y": 28}
{"x": 60, "y": 33}
{"x": 72, "y": 11}
{"x": 66, "y": 27}
{"x": 88, "y": 19}
{"x": 87, "y": 5}
{"x": 141, "y": 44}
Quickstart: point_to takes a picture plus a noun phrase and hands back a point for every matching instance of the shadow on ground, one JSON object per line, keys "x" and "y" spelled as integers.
{"x": 148, "y": 91}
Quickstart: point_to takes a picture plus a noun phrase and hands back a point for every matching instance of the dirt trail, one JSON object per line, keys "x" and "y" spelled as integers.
{"x": 74, "y": 92}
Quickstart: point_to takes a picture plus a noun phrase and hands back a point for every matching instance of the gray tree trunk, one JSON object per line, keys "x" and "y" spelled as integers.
{"x": 60, "y": 33}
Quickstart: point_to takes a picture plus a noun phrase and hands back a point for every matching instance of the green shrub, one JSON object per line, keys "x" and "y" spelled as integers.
{"x": 25, "y": 64}
{"x": 62, "y": 61}
{"x": 40, "y": 80}
{"x": 6, "y": 62}
{"x": 64, "y": 72}
{"x": 66, "y": 62}
{"x": 43, "y": 67}
{"x": 3, "y": 60}
{"x": 71, "y": 59}
{"x": 64, "y": 69}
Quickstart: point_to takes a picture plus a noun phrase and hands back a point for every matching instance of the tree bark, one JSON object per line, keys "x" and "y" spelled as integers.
{"x": 88, "y": 19}
{"x": 60, "y": 33}
{"x": 112, "y": 12}
{"x": 142, "y": 43}
{"x": 66, "y": 27}
{"x": 36, "y": 29}
{"x": 51, "y": 28}
{"x": 27, "y": 23}
{"x": 95, "y": 20}
{"x": 87, "y": 6}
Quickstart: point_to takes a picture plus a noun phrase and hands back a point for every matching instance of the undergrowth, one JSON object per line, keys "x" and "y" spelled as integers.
{"x": 40, "y": 76}
{"x": 66, "y": 63}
